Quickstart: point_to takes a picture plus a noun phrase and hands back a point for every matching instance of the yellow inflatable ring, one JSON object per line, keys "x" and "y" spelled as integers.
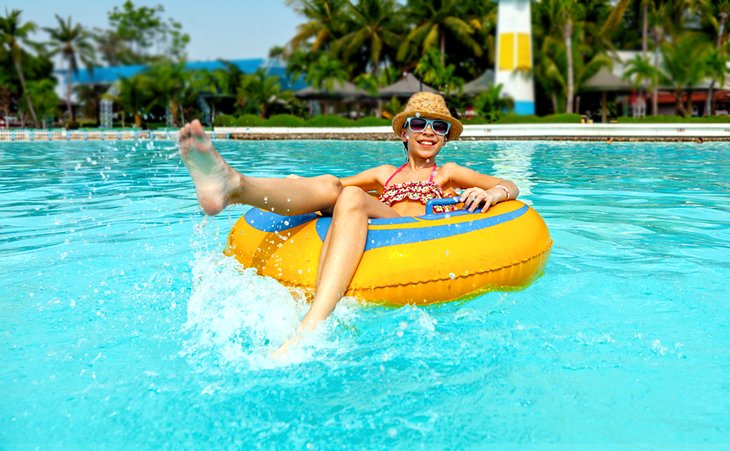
{"x": 410, "y": 260}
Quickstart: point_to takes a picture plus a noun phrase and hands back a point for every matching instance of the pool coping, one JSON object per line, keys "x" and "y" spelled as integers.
{"x": 562, "y": 132}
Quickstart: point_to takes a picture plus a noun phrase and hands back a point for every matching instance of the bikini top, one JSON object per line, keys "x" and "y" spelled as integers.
{"x": 421, "y": 191}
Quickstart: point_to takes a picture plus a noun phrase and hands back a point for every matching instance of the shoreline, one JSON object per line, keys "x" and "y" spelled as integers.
{"x": 488, "y": 132}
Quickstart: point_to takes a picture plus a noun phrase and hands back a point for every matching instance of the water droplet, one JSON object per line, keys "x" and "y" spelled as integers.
{"x": 452, "y": 276}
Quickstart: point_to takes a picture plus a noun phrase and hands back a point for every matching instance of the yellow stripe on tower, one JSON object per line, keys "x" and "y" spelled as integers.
{"x": 524, "y": 59}
{"x": 506, "y": 51}
{"x": 514, "y": 51}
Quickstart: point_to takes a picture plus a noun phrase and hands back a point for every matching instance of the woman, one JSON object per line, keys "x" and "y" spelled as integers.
{"x": 424, "y": 127}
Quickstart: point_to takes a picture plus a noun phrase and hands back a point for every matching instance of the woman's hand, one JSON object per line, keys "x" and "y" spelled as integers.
{"x": 474, "y": 197}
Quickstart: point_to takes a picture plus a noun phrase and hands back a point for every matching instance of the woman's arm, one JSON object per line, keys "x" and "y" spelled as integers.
{"x": 479, "y": 188}
{"x": 369, "y": 180}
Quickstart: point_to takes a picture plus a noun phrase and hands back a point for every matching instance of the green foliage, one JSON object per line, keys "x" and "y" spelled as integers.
{"x": 225, "y": 120}
{"x": 434, "y": 72}
{"x": 371, "y": 122}
{"x": 249, "y": 120}
{"x": 477, "y": 120}
{"x": 285, "y": 120}
{"x": 674, "y": 119}
{"x": 139, "y": 32}
{"x": 45, "y": 99}
{"x": 327, "y": 120}
{"x": 564, "y": 118}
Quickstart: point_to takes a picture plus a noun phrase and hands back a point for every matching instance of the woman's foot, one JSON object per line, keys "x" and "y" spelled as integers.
{"x": 214, "y": 180}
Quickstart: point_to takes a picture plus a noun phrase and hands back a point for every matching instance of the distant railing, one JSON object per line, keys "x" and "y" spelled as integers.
{"x": 96, "y": 135}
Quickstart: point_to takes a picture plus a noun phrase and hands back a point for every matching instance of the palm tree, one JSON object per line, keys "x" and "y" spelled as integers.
{"x": 324, "y": 25}
{"x": 435, "y": 19}
{"x": 259, "y": 91}
{"x": 169, "y": 86}
{"x": 557, "y": 51}
{"x": 716, "y": 68}
{"x": 715, "y": 13}
{"x": 642, "y": 73}
{"x": 90, "y": 96}
{"x": 618, "y": 12}
{"x": 373, "y": 30}
{"x": 432, "y": 71}
{"x": 44, "y": 97}
{"x": 132, "y": 97}
{"x": 491, "y": 103}
{"x": 484, "y": 23}
{"x": 14, "y": 35}
{"x": 676, "y": 71}
{"x": 72, "y": 42}
{"x": 324, "y": 72}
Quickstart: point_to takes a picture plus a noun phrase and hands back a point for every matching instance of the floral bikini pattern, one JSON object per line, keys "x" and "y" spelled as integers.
{"x": 421, "y": 191}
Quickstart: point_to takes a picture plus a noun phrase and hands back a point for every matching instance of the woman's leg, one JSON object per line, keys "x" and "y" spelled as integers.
{"x": 341, "y": 254}
{"x": 219, "y": 185}
{"x": 343, "y": 249}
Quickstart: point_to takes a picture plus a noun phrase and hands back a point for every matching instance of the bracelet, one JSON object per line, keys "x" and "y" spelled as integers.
{"x": 505, "y": 189}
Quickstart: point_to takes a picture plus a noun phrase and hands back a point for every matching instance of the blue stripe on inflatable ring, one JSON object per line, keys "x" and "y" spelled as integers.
{"x": 271, "y": 222}
{"x": 394, "y": 237}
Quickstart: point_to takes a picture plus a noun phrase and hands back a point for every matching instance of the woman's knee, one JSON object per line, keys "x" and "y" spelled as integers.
{"x": 351, "y": 198}
{"x": 330, "y": 185}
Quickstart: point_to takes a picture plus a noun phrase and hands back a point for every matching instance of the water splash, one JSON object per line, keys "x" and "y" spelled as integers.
{"x": 238, "y": 318}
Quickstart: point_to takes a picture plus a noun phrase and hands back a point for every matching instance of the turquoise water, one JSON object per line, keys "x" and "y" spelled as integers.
{"x": 122, "y": 325}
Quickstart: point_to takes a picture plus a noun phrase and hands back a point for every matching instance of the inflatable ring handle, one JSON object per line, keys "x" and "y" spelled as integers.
{"x": 441, "y": 202}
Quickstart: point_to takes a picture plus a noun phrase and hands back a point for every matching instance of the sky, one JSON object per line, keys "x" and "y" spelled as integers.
{"x": 232, "y": 29}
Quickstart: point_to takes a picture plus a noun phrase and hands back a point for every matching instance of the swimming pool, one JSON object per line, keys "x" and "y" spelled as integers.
{"x": 122, "y": 324}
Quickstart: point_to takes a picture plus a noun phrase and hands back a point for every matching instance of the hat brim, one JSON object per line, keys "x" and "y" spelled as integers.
{"x": 400, "y": 119}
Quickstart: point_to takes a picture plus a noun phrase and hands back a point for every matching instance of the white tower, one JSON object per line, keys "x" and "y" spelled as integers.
{"x": 514, "y": 52}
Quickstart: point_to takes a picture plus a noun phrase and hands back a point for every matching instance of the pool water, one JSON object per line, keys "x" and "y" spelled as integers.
{"x": 123, "y": 325}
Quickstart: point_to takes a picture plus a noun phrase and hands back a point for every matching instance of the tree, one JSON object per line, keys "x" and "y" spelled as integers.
{"x": 642, "y": 73}
{"x": 677, "y": 72}
{"x": 715, "y": 13}
{"x": 14, "y": 35}
{"x": 132, "y": 97}
{"x": 145, "y": 35}
{"x": 72, "y": 42}
{"x": 169, "y": 84}
{"x": 44, "y": 97}
{"x": 484, "y": 23}
{"x": 258, "y": 92}
{"x": 324, "y": 72}
{"x": 491, "y": 103}
{"x": 89, "y": 97}
{"x": 432, "y": 71}
{"x": 434, "y": 21}
{"x": 325, "y": 23}
{"x": 371, "y": 29}
{"x": 715, "y": 64}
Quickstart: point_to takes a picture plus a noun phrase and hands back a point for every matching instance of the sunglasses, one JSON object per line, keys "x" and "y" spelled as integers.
{"x": 419, "y": 124}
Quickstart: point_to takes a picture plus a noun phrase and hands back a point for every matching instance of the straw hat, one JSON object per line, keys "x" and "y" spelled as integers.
{"x": 428, "y": 105}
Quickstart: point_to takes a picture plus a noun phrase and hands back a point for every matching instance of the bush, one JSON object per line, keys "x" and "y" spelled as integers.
{"x": 285, "y": 120}
{"x": 563, "y": 118}
{"x": 674, "y": 120}
{"x": 371, "y": 122}
{"x": 249, "y": 120}
{"x": 225, "y": 120}
{"x": 328, "y": 120}
{"x": 476, "y": 120}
